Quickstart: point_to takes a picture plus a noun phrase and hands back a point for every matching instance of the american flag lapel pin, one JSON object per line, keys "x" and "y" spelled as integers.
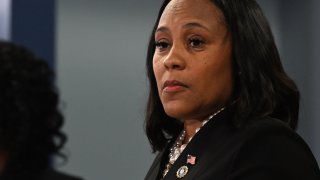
{"x": 191, "y": 159}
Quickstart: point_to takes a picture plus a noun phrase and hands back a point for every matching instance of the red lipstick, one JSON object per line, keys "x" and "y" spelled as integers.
{"x": 173, "y": 86}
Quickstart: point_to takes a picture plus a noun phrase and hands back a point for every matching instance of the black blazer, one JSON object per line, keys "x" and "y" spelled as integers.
{"x": 265, "y": 150}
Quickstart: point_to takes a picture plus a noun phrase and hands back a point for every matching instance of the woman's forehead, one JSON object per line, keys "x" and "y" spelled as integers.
{"x": 203, "y": 10}
{"x": 177, "y": 6}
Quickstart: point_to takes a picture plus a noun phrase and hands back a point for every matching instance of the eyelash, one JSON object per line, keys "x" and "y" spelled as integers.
{"x": 196, "y": 40}
{"x": 193, "y": 42}
{"x": 161, "y": 45}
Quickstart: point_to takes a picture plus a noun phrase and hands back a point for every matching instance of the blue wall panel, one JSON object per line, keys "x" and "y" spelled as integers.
{"x": 33, "y": 25}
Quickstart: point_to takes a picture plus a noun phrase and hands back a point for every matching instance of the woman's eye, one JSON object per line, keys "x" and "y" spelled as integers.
{"x": 196, "y": 42}
{"x": 162, "y": 45}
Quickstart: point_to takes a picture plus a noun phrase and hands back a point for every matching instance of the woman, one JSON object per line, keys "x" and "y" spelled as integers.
{"x": 220, "y": 104}
{"x": 30, "y": 120}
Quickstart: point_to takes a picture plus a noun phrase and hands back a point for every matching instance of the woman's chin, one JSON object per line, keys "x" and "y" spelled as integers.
{"x": 176, "y": 112}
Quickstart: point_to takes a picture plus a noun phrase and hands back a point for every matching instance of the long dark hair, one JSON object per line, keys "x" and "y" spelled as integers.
{"x": 262, "y": 88}
{"x": 30, "y": 120}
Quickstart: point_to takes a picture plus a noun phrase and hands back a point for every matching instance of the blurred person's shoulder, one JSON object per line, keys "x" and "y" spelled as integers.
{"x": 51, "y": 174}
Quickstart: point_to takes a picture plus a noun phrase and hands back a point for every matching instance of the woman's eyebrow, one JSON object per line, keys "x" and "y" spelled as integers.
{"x": 194, "y": 24}
{"x": 162, "y": 29}
{"x": 185, "y": 26}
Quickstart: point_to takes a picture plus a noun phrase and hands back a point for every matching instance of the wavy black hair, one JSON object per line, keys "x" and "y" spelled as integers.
{"x": 261, "y": 86}
{"x": 30, "y": 120}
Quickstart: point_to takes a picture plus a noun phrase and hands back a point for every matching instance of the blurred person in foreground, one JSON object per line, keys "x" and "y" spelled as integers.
{"x": 221, "y": 106}
{"x": 30, "y": 120}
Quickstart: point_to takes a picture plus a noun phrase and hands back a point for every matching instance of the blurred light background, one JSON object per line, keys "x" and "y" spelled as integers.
{"x": 98, "y": 50}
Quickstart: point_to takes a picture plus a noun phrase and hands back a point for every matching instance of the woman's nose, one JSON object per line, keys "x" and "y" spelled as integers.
{"x": 175, "y": 59}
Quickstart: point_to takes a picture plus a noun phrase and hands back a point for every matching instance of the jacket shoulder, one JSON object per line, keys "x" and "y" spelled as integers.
{"x": 270, "y": 149}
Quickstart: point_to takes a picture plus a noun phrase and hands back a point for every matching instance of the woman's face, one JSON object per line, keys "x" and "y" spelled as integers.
{"x": 192, "y": 60}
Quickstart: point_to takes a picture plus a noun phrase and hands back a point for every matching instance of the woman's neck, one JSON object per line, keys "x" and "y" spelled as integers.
{"x": 191, "y": 126}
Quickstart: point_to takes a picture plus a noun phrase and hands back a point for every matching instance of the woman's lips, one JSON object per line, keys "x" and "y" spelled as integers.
{"x": 173, "y": 86}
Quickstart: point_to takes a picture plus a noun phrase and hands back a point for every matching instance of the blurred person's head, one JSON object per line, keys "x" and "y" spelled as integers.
{"x": 29, "y": 117}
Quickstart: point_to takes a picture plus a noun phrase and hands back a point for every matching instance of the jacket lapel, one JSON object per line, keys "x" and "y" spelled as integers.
{"x": 196, "y": 149}
{"x": 155, "y": 171}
